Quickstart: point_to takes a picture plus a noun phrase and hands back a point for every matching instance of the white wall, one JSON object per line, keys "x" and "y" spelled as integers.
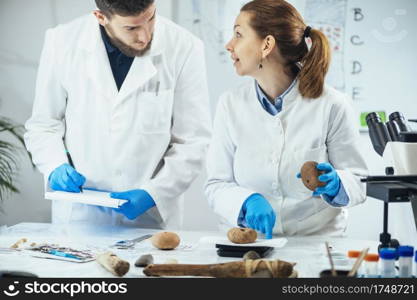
{"x": 22, "y": 29}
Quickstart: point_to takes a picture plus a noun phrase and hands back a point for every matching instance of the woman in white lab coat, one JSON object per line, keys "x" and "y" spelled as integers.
{"x": 265, "y": 130}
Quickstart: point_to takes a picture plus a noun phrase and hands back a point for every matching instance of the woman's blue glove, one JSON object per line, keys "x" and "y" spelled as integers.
{"x": 332, "y": 187}
{"x": 259, "y": 214}
{"x": 66, "y": 178}
{"x": 139, "y": 201}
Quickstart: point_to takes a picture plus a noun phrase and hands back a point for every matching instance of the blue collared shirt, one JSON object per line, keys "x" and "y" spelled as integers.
{"x": 120, "y": 63}
{"x": 276, "y": 107}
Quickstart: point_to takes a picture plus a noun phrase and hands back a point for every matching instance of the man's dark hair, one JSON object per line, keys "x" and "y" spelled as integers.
{"x": 123, "y": 8}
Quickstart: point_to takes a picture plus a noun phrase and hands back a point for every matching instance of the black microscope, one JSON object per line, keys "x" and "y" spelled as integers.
{"x": 396, "y": 143}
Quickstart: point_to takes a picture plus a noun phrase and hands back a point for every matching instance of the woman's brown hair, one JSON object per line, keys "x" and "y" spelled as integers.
{"x": 281, "y": 20}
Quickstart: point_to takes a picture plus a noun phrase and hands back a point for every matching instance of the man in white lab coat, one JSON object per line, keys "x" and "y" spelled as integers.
{"x": 123, "y": 92}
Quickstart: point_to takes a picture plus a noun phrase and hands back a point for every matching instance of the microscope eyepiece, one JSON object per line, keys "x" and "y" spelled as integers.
{"x": 373, "y": 117}
{"x": 378, "y": 132}
{"x": 400, "y": 121}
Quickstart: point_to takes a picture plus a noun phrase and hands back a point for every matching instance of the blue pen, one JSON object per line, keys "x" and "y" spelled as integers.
{"x": 62, "y": 254}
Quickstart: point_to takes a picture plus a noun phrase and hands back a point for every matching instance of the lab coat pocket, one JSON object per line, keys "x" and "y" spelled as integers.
{"x": 301, "y": 156}
{"x": 324, "y": 220}
{"x": 155, "y": 112}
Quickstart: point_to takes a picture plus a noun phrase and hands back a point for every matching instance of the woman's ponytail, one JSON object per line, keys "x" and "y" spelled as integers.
{"x": 315, "y": 66}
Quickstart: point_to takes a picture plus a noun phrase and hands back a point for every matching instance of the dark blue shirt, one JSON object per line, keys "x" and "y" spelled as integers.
{"x": 120, "y": 63}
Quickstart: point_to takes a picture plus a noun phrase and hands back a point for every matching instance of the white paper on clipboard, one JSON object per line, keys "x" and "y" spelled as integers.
{"x": 86, "y": 197}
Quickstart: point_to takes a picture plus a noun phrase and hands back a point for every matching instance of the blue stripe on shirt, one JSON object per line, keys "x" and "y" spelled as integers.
{"x": 275, "y": 107}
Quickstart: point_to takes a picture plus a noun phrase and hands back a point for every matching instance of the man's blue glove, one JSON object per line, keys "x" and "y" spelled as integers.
{"x": 259, "y": 214}
{"x": 139, "y": 201}
{"x": 66, "y": 178}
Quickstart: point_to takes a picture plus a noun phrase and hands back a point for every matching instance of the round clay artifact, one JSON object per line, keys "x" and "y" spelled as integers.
{"x": 165, "y": 240}
{"x": 310, "y": 174}
{"x": 242, "y": 235}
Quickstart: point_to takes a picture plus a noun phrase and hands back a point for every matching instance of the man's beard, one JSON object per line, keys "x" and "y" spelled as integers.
{"x": 126, "y": 49}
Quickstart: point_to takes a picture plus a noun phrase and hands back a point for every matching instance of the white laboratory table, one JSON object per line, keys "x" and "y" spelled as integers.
{"x": 308, "y": 252}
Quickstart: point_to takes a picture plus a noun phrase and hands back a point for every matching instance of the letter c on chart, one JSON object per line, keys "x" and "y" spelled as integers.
{"x": 356, "y": 40}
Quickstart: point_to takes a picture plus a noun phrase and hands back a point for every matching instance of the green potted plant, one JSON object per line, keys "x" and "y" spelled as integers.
{"x": 9, "y": 157}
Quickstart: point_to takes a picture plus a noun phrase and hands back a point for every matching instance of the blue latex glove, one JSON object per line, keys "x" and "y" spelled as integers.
{"x": 66, "y": 178}
{"x": 139, "y": 201}
{"x": 259, "y": 214}
{"x": 332, "y": 187}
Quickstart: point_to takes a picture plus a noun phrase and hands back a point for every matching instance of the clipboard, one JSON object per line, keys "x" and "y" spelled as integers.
{"x": 89, "y": 197}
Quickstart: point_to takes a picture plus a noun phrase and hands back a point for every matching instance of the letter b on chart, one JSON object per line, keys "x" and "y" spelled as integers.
{"x": 358, "y": 15}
